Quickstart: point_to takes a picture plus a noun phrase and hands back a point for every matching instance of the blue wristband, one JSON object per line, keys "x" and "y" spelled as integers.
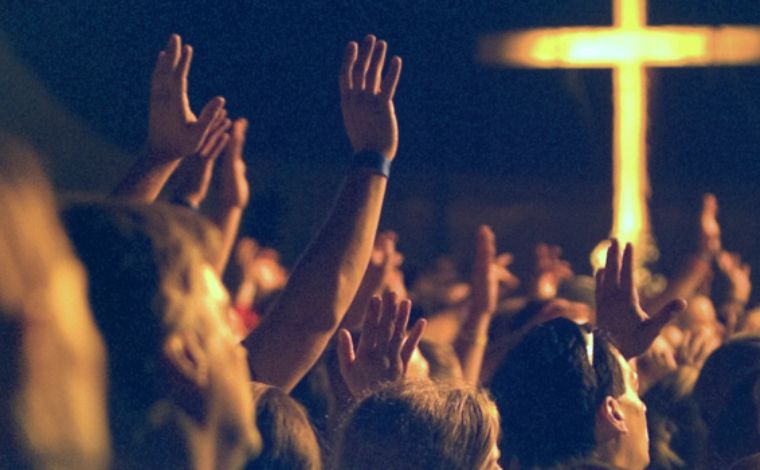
{"x": 373, "y": 161}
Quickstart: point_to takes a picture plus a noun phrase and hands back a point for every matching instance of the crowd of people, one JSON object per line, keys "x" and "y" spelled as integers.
{"x": 142, "y": 331}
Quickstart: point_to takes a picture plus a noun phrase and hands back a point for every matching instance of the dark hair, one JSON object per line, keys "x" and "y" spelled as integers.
{"x": 725, "y": 394}
{"x": 288, "y": 437}
{"x": 677, "y": 434}
{"x": 419, "y": 425}
{"x": 142, "y": 268}
{"x": 548, "y": 393}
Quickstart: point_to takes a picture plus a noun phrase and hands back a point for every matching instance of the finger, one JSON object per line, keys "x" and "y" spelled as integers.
{"x": 369, "y": 328}
{"x": 612, "y": 265}
{"x": 387, "y": 321}
{"x": 651, "y": 328}
{"x": 183, "y": 69}
{"x": 173, "y": 50}
{"x": 710, "y": 204}
{"x": 505, "y": 259}
{"x": 626, "y": 271}
{"x": 207, "y": 116}
{"x": 237, "y": 137}
{"x": 219, "y": 146}
{"x": 412, "y": 341}
{"x": 390, "y": 81}
{"x": 347, "y": 69}
{"x": 599, "y": 278}
{"x": 219, "y": 126}
{"x": 374, "y": 76}
{"x": 163, "y": 65}
{"x": 362, "y": 62}
{"x": 485, "y": 250}
{"x": 346, "y": 355}
{"x": 399, "y": 331}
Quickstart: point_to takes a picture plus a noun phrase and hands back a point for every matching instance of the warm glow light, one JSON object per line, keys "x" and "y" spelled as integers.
{"x": 628, "y": 48}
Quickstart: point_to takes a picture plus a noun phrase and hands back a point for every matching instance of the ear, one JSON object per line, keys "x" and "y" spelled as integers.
{"x": 185, "y": 356}
{"x": 611, "y": 417}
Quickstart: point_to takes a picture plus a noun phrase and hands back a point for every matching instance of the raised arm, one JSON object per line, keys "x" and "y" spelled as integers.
{"x": 472, "y": 340}
{"x": 323, "y": 283}
{"x": 174, "y": 132}
{"x": 698, "y": 267}
{"x": 234, "y": 192}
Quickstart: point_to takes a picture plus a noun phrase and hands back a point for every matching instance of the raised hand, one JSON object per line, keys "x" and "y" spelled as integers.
{"x": 738, "y": 273}
{"x": 235, "y": 190}
{"x": 485, "y": 280}
{"x": 384, "y": 348}
{"x": 709, "y": 239}
{"x": 696, "y": 347}
{"x": 617, "y": 305}
{"x": 550, "y": 271}
{"x": 194, "y": 173}
{"x": 174, "y": 131}
{"x": 367, "y": 97}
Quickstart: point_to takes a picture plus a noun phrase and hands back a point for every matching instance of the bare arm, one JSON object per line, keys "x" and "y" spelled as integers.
{"x": 234, "y": 195}
{"x": 174, "y": 132}
{"x": 472, "y": 340}
{"x": 322, "y": 285}
{"x": 698, "y": 267}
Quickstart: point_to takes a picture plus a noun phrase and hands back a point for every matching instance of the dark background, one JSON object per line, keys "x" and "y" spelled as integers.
{"x": 527, "y": 151}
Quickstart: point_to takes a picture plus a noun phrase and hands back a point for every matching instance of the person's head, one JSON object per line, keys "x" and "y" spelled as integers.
{"x": 442, "y": 360}
{"x": 289, "y": 442}
{"x": 174, "y": 362}
{"x": 750, "y": 322}
{"x": 699, "y": 315}
{"x": 726, "y": 392}
{"x": 421, "y": 425}
{"x": 677, "y": 432}
{"x": 52, "y": 368}
{"x": 566, "y": 394}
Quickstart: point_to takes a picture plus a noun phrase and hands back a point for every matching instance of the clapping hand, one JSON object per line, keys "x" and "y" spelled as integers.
{"x": 194, "y": 173}
{"x": 174, "y": 132}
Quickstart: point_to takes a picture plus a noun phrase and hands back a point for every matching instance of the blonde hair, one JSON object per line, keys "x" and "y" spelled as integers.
{"x": 420, "y": 425}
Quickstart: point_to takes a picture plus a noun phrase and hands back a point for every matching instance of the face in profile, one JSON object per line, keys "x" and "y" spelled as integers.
{"x": 52, "y": 373}
{"x": 635, "y": 441}
{"x": 229, "y": 375}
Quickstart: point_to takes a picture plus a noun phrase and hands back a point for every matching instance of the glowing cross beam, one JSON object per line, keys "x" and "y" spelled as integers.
{"x": 628, "y": 48}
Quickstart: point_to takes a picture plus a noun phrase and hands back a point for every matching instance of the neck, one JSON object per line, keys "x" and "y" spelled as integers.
{"x": 616, "y": 454}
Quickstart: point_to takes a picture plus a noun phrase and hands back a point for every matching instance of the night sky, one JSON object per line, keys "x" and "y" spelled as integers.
{"x": 487, "y": 143}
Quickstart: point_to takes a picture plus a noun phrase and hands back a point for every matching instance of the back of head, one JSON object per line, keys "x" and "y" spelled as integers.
{"x": 143, "y": 269}
{"x": 420, "y": 425}
{"x": 725, "y": 394}
{"x": 442, "y": 360}
{"x": 289, "y": 439}
{"x": 548, "y": 393}
{"x": 52, "y": 378}
{"x": 677, "y": 433}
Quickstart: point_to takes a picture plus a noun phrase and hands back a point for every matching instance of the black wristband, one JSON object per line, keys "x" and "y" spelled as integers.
{"x": 373, "y": 161}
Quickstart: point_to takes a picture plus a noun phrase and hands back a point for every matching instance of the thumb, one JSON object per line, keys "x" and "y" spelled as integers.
{"x": 346, "y": 355}
{"x": 663, "y": 317}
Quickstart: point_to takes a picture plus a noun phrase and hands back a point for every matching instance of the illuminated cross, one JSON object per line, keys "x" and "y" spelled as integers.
{"x": 628, "y": 48}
